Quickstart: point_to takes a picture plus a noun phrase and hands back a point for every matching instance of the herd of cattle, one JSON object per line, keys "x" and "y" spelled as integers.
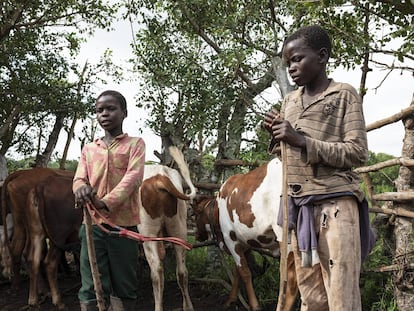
{"x": 242, "y": 217}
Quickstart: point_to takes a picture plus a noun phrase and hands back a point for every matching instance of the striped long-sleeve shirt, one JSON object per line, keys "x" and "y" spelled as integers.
{"x": 336, "y": 141}
{"x": 115, "y": 172}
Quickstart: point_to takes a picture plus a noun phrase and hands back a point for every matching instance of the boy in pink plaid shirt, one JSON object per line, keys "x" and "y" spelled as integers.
{"x": 109, "y": 174}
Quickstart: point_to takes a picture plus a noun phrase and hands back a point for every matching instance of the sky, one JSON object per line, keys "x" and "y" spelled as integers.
{"x": 393, "y": 95}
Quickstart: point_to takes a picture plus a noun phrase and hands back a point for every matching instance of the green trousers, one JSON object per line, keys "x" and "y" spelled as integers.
{"x": 117, "y": 260}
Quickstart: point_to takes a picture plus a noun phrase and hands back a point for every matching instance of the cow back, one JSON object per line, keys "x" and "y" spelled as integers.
{"x": 56, "y": 205}
{"x": 16, "y": 188}
{"x": 249, "y": 205}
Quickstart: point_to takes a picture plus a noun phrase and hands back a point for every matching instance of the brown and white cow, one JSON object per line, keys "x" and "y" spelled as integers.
{"x": 243, "y": 217}
{"x": 163, "y": 212}
{"x": 51, "y": 214}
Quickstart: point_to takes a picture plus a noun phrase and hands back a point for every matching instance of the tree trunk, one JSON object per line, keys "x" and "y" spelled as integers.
{"x": 281, "y": 76}
{"x": 403, "y": 279}
{"x": 71, "y": 132}
{"x": 75, "y": 118}
{"x": 43, "y": 159}
{"x": 4, "y": 128}
{"x": 7, "y": 137}
{"x": 3, "y": 169}
{"x": 234, "y": 129}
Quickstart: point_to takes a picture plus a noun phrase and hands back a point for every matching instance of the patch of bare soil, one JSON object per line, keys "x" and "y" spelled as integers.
{"x": 17, "y": 300}
{"x": 204, "y": 298}
{"x": 69, "y": 285}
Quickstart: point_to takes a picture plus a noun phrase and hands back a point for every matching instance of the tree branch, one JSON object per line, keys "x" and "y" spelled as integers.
{"x": 209, "y": 41}
{"x": 392, "y": 119}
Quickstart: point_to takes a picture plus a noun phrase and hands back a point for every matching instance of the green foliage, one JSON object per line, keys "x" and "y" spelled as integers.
{"x": 383, "y": 180}
{"x": 208, "y": 162}
{"x": 195, "y": 85}
{"x": 27, "y": 163}
{"x": 266, "y": 283}
{"x": 70, "y": 165}
{"x": 38, "y": 80}
{"x": 217, "y": 56}
{"x": 372, "y": 298}
{"x": 382, "y": 254}
{"x": 14, "y": 165}
{"x": 197, "y": 260}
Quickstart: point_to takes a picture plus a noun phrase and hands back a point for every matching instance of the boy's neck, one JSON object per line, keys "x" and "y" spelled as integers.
{"x": 110, "y": 136}
{"x": 312, "y": 91}
{"x": 317, "y": 87}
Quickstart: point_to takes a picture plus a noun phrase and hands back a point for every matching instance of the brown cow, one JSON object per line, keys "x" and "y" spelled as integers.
{"x": 15, "y": 191}
{"x": 243, "y": 217}
{"x": 163, "y": 211}
{"x": 51, "y": 214}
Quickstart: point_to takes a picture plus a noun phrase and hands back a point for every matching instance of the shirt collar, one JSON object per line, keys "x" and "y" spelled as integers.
{"x": 333, "y": 87}
{"x": 99, "y": 141}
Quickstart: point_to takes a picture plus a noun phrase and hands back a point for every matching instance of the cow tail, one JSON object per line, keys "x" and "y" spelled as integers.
{"x": 178, "y": 157}
{"x": 36, "y": 198}
{"x": 163, "y": 182}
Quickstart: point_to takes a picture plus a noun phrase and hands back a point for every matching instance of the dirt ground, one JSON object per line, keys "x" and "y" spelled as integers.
{"x": 204, "y": 298}
{"x": 13, "y": 301}
{"x": 69, "y": 285}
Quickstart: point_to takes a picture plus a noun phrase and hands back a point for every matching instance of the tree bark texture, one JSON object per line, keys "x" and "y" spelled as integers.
{"x": 3, "y": 168}
{"x": 43, "y": 159}
{"x": 403, "y": 279}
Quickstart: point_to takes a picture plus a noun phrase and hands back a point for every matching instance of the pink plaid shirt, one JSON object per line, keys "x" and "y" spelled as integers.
{"x": 115, "y": 172}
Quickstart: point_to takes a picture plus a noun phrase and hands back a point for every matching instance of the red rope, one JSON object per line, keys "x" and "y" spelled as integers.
{"x": 125, "y": 233}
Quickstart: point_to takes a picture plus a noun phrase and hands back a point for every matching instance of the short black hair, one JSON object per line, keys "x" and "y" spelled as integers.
{"x": 120, "y": 98}
{"x": 315, "y": 36}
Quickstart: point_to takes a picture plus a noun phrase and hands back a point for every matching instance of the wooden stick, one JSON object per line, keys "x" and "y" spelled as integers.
{"x": 394, "y": 196}
{"x": 392, "y": 119}
{"x": 388, "y": 163}
{"x": 92, "y": 261}
{"x": 284, "y": 247}
{"x": 398, "y": 211}
{"x": 391, "y": 268}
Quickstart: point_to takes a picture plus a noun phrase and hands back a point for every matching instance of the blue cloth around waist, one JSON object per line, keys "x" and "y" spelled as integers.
{"x": 301, "y": 219}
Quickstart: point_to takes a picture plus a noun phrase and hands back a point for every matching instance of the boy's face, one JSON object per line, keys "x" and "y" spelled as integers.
{"x": 304, "y": 64}
{"x": 109, "y": 113}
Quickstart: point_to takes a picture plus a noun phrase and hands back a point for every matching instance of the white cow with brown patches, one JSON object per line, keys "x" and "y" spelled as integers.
{"x": 243, "y": 217}
{"x": 163, "y": 212}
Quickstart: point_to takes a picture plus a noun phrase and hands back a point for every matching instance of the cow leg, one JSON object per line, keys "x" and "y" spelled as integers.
{"x": 157, "y": 272}
{"x": 6, "y": 261}
{"x": 177, "y": 226}
{"x": 17, "y": 244}
{"x": 232, "y": 298}
{"x": 34, "y": 249}
{"x": 18, "y": 239}
{"x": 51, "y": 262}
{"x": 4, "y": 247}
{"x": 33, "y": 262}
{"x": 246, "y": 276}
{"x": 182, "y": 277}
